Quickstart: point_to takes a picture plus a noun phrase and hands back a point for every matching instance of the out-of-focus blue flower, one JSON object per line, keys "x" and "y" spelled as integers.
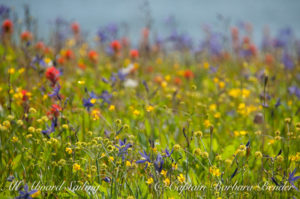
{"x": 294, "y": 90}
{"x": 123, "y": 147}
{"x": 283, "y": 38}
{"x": 108, "y": 33}
{"x": 55, "y": 92}
{"x": 158, "y": 163}
{"x": 168, "y": 153}
{"x": 26, "y": 194}
{"x": 106, "y": 97}
{"x": 145, "y": 159}
{"x": 87, "y": 103}
{"x": 50, "y": 129}
{"x": 106, "y": 179}
{"x": 4, "y": 11}
{"x": 292, "y": 179}
{"x": 287, "y": 61}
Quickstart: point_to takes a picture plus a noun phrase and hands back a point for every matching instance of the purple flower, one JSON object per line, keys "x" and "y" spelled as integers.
{"x": 55, "y": 92}
{"x": 293, "y": 178}
{"x": 168, "y": 153}
{"x": 294, "y": 90}
{"x": 123, "y": 148}
{"x": 26, "y": 194}
{"x": 106, "y": 97}
{"x": 50, "y": 129}
{"x": 146, "y": 159}
{"x": 158, "y": 163}
{"x": 287, "y": 61}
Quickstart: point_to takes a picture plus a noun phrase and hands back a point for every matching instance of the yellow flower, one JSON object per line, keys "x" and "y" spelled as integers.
{"x": 128, "y": 164}
{"x": 207, "y": 123}
{"x": 221, "y": 84}
{"x": 174, "y": 166}
{"x": 258, "y": 154}
{"x": 212, "y": 107}
{"x": 111, "y": 158}
{"x": 93, "y": 100}
{"x": 14, "y": 139}
{"x": 136, "y": 112}
{"x": 164, "y": 173}
{"x": 111, "y": 108}
{"x": 176, "y": 147}
{"x": 36, "y": 194}
{"x": 217, "y": 115}
{"x": 150, "y": 181}
{"x": 181, "y": 178}
{"x": 164, "y": 84}
{"x": 69, "y": 150}
{"x": 81, "y": 82}
{"x": 206, "y": 65}
{"x": 31, "y": 129}
{"x": 167, "y": 181}
{"x": 149, "y": 108}
{"x": 76, "y": 167}
{"x": 11, "y": 71}
{"x": 197, "y": 151}
{"x": 198, "y": 134}
{"x": 95, "y": 114}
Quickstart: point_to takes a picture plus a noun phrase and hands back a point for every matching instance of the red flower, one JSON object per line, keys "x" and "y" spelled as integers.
{"x": 134, "y": 53}
{"x": 75, "y": 28}
{"x": 188, "y": 74}
{"x": 55, "y": 109}
{"x": 253, "y": 49}
{"x": 269, "y": 59}
{"x": 24, "y": 95}
{"x": 7, "y": 26}
{"x": 115, "y": 45}
{"x": 61, "y": 60}
{"x": 177, "y": 80}
{"x": 93, "y": 56}
{"x": 26, "y": 36}
{"x": 69, "y": 54}
{"x": 40, "y": 45}
{"x": 52, "y": 74}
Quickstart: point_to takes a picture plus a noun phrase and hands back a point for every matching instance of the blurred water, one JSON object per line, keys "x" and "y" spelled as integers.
{"x": 191, "y": 15}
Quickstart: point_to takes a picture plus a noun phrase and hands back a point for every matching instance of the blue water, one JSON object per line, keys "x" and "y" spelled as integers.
{"x": 190, "y": 15}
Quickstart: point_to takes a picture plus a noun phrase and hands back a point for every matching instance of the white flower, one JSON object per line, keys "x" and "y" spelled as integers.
{"x": 130, "y": 83}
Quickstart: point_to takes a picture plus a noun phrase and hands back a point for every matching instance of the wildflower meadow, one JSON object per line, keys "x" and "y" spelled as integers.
{"x": 167, "y": 117}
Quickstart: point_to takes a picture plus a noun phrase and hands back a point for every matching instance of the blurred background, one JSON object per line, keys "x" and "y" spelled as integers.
{"x": 189, "y": 17}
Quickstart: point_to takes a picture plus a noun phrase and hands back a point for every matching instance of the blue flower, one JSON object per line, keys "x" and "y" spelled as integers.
{"x": 293, "y": 178}
{"x": 168, "y": 153}
{"x": 87, "y": 104}
{"x": 55, "y": 92}
{"x": 26, "y": 194}
{"x": 106, "y": 96}
{"x": 146, "y": 159}
{"x": 50, "y": 129}
{"x": 123, "y": 148}
{"x": 158, "y": 163}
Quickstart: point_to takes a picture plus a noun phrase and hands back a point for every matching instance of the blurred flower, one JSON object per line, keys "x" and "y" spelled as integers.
{"x": 7, "y": 26}
{"x": 52, "y": 74}
{"x": 26, "y": 194}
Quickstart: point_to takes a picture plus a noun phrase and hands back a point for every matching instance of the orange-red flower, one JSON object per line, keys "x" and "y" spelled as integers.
{"x": 93, "y": 56}
{"x": 52, "y": 74}
{"x": 177, "y": 81}
{"x": 40, "y": 45}
{"x": 26, "y": 36}
{"x": 134, "y": 53}
{"x": 69, "y": 54}
{"x": 55, "y": 109}
{"x": 75, "y": 28}
{"x": 24, "y": 95}
{"x": 188, "y": 74}
{"x": 115, "y": 45}
{"x": 269, "y": 59}
{"x": 7, "y": 26}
